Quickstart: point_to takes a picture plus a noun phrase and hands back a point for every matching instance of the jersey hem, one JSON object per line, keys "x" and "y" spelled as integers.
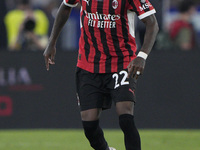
{"x": 69, "y": 5}
{"x": 86, "y": 68}
{"x": 90, "y": 68}
{"x": 147, "y": 14}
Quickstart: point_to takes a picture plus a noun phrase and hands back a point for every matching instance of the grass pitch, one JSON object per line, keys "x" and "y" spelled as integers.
{"x": 75, "y": 140}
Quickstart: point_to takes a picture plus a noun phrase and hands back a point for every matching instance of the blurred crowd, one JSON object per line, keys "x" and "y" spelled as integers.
{"x": 25, "y": 25}
{"x": 181, "y": 29}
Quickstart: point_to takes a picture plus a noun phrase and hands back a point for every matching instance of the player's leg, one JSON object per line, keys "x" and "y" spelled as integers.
{"x": 91, "y": 114}
{"x": 90, "y": 120}
{"x": 125, "y": 111}
{"x": 91, "y": 100}
{"x": 123, "y": 94}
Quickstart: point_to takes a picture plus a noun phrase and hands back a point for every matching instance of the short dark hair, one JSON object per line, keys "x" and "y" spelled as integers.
{"x": 185, "y": 6}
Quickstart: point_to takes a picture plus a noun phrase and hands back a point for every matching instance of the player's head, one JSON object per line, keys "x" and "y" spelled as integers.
{"x": 186, "y": 6}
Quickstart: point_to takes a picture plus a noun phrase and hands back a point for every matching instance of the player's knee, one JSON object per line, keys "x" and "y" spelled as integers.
{"x": 90, "y": 115}
{"x": 124, "y": 108}
{"x": 85, "y": 116}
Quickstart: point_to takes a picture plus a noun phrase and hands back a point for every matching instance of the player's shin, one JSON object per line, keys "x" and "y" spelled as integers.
{"x": 95, "y": 135}
{"x": 131, "y": 135}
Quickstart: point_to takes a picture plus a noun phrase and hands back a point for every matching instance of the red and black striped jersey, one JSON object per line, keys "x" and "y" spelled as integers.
{"x": 107, "y": 42}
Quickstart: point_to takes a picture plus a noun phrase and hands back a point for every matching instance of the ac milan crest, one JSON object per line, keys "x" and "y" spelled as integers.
{"x": 114, "y": 4}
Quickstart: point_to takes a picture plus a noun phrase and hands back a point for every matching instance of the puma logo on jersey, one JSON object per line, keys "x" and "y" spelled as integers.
{"x": 87, "y": 1}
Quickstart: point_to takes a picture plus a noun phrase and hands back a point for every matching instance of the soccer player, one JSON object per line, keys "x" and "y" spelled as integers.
{"x": 107, "y": 67}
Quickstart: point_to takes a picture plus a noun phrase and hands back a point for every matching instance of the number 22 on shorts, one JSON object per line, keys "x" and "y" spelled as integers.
{"x": 123, "y": 81}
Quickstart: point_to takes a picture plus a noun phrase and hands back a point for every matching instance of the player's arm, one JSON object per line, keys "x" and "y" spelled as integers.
{"x": 61, "y": 18}
{"x": 150, "y": 34}
{"x": 138, "y": 64}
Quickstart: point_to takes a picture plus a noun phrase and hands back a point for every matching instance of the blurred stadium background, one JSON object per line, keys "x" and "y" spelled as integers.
{"x": 38, "y": 109}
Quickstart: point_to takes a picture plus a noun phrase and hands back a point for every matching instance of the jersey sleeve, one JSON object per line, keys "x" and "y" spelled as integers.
{"x": 143, "y": 8}
{"x": 71, "y": 3}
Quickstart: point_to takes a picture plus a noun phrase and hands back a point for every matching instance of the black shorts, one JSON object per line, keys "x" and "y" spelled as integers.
{"x": 95, "y": 90}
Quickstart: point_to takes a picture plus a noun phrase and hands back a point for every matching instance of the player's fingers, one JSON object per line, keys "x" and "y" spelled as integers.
{"x": 134, "y": 71}
{"x": 130, "y": 70}
{"x": 139, "y": 72}
{"x": 46, "y": 62}
{"x": 52, "y": 60}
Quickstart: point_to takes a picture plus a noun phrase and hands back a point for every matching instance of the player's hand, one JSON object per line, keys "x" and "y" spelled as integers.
{"x": 136, "y": 67}
{"x": 49, "y": 55}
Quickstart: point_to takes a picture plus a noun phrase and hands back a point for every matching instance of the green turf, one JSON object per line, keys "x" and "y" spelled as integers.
{"x": 75, "y": 140}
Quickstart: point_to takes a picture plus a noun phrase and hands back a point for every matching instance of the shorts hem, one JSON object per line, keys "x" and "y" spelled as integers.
{"x": 116, "y": 101}
{"x": 84, "y": 108}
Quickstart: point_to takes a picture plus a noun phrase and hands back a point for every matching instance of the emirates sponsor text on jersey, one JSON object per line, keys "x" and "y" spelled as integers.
{"x": 101, "y": 20}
